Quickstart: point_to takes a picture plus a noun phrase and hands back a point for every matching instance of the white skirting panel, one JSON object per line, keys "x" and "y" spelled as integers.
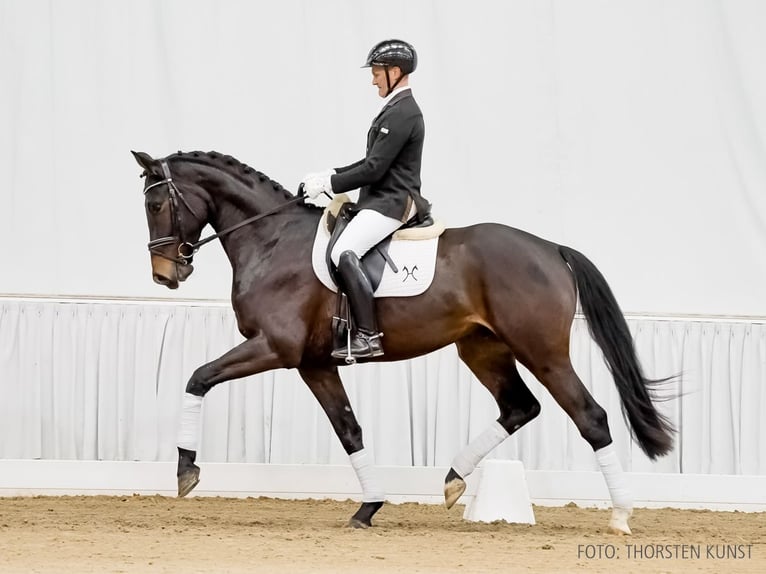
{"x": 402, "y": 484}
{"x": 102, "y": 380}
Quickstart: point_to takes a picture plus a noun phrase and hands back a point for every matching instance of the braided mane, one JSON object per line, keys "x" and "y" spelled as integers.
{"x": 233, "y": 166}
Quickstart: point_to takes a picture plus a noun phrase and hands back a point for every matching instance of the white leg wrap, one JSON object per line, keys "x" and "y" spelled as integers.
{"x": 467, "y": 459}
{"x": 372, "y": 490}
{"x": 615, "y": 478}
{"x": 188, "y": 433}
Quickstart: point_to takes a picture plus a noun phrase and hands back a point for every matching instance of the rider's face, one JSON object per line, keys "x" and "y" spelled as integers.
{"x": 379, "y": 78}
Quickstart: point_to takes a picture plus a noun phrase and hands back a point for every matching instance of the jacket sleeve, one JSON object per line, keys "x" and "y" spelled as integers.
{"x": 350, "y": 166}
{"x": 384, "y": 150}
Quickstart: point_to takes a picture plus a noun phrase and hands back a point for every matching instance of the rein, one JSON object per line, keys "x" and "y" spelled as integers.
{"x": 195, "y": 246}
{"x": 186, "y": 249}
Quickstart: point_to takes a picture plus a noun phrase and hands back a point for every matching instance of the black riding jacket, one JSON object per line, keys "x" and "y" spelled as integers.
{"x": 389, "y": 175}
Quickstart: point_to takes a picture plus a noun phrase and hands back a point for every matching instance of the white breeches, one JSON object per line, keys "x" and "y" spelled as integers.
{"x": 363, "y": 233}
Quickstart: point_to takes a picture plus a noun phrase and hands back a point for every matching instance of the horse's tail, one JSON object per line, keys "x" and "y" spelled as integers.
{"x": 606, "y": 323}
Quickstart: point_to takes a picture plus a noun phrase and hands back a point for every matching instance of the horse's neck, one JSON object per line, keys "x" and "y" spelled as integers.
{"x": 253, "y": 245}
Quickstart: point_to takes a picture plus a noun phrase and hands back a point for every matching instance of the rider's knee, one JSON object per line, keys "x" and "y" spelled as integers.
{"x": 339, "y": 250}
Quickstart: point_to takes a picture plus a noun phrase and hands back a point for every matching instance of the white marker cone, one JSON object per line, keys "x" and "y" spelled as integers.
{"x": 501, "y": 494}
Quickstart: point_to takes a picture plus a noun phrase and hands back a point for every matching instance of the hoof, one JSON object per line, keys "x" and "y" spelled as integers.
{"x": 187, "y": 481}
{"x": 188, "y": 472}
{"x": 363, "y": 516}
{"x": 618, "y": 524}
{"x": 453, "y": 490}
{"x": 454, "y": 487}
{"x": 356, "y": 523}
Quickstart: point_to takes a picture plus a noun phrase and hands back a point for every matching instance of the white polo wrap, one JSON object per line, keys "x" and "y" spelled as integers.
{"x": 614, "y": 477}
{"x": 372, "y": 490}
{"x": 467, "y": 459}
{"x": 188, "y": 432}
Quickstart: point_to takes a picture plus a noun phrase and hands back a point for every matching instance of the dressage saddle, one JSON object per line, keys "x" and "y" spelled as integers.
{"x": 374, "y": 263}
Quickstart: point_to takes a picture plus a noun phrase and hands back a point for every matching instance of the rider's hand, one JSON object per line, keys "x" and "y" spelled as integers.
{"x": 316, "y": 183}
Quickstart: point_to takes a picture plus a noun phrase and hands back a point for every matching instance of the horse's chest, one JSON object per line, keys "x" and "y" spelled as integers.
{"x": 258, "y": 311}
{"x": 248, "y": 279}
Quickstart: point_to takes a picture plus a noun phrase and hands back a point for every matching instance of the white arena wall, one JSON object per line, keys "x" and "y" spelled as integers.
{"x": 89, "y": 380}
{"x": 633, "y": 131}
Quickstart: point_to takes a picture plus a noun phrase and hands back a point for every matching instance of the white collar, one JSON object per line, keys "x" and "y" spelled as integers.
{"x": 390, "y": 96}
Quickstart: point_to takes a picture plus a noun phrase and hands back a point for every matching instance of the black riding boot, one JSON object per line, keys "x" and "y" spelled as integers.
{"x": 365, "y": 341}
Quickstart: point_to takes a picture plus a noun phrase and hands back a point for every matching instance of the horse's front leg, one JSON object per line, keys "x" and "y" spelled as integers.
{"x": 253, "y": 356}
{"x": 327, "y": 387}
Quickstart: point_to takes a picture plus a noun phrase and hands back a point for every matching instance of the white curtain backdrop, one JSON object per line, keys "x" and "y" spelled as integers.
{"x": 103, "y": 381}
{"x": 631, "y": 130}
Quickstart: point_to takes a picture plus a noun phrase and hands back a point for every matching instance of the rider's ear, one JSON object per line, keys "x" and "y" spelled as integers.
{"x": 150, "y": 165}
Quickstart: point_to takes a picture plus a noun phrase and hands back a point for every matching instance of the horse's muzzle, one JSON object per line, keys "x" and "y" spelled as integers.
{"x": 169, "y": 273}
{"x": 166, "y": 281}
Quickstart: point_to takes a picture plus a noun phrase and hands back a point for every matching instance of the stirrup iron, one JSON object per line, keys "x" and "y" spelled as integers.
{"x": 349, "y": 358}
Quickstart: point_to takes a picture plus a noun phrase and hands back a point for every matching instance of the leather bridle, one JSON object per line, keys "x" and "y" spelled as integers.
{"x": 186, "y": 249}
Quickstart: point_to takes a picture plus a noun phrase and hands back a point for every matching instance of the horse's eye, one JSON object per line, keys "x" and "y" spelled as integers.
{"x": 154, "y": 206}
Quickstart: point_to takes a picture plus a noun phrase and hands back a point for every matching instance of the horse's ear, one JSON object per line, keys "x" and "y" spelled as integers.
{"x": 146, "y": 161}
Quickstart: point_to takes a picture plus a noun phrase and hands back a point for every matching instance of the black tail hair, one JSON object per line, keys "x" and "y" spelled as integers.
{"x": 606, "y": 323}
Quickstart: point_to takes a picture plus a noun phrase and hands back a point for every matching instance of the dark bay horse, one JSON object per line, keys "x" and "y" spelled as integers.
{"x": 500, "y": 294}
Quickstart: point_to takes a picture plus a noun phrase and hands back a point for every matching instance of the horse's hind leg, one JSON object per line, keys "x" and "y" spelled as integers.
{"x": 590, "y": 418}
{"x": 494, "y": 365}
{"x": 328, "y": 389}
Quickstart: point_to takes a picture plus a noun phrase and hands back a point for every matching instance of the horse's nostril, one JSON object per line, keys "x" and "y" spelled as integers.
{"x": 166, "y": 281}
{"x": 162, "y": 280}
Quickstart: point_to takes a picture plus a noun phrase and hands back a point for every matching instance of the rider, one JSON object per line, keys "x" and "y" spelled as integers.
{"x": 389, "y": 182}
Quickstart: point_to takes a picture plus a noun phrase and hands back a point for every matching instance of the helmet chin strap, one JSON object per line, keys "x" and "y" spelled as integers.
{"x": 389, "y": 87}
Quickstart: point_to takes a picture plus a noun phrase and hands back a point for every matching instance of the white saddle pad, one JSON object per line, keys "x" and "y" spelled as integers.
{"x": 415, "y": 260}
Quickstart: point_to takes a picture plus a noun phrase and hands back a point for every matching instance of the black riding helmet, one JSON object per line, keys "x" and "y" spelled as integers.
{"x": 393, "y": 53}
